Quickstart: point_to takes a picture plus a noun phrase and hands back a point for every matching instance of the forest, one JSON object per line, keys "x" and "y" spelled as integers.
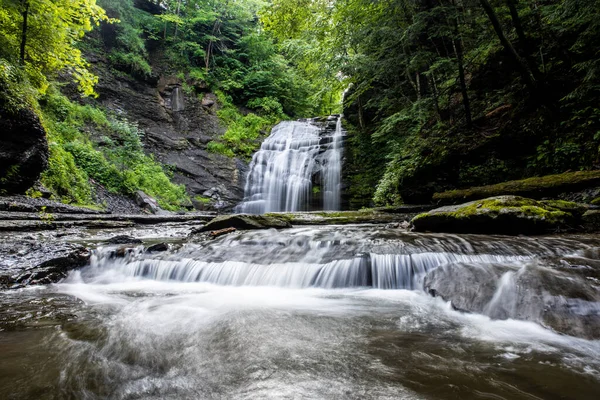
{"x": 437, "y": 94}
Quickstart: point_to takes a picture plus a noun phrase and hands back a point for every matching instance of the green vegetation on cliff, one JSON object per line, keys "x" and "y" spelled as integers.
{"x": 438, "y": 95}
{"x": 118, "y": 162}
{"x": 217, "y": 46}
{"x": 456, "y": 93}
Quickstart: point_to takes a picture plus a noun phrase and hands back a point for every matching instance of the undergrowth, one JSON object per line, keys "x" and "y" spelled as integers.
{"x": 117, "y": 161}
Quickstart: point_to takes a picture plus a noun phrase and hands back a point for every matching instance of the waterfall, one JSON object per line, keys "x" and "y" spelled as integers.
{"x": 285, "y": 172}
{"x": 333, "y": 171}
{"x": 380, "y": 271}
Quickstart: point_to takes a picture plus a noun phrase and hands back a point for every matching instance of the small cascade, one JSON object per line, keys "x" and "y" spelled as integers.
{"x": 293, "y": 161}
{"x": 322, "y": 258}
{"x": 379, "y": 271}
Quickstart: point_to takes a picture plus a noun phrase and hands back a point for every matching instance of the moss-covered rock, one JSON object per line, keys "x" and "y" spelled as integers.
{"x": 537, "y": 187}
{"x": 245, "y": 222}
{"x": 510, "y": 215}
{"x": 591, "y": 220}
{"x": 364, "y": 216}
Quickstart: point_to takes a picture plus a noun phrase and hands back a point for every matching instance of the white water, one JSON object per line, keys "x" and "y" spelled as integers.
{"x": 299, "y": 313}
{"x": 281, "y": 173}
{"x": 333, "y": 171}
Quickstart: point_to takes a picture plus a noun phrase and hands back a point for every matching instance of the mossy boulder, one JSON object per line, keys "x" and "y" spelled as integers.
{"x": 536, "y": 187}
{"x": 511, "y": 215}
{"x": 245, "y": 222}
{"x": 591, "y": 220}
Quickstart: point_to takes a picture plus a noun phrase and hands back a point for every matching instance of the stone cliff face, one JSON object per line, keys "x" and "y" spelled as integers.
{"x": 23, "y": 150}
{"x": 177, "y": 127}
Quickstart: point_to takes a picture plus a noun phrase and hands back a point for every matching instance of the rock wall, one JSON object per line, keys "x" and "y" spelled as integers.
{"x": 23, "y": 150}
{"x": 177, "y": 126}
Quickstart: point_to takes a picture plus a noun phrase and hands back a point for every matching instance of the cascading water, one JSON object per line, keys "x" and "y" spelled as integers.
{"x": 333, "y": 170}
{"x": 302, "y": 313}
{"x": 283, "y": 173}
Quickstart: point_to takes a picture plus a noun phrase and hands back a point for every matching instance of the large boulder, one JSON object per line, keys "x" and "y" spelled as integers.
{"x": 558, "y": 293}
{"x": 27, "y": 262}
{"x": 23, "y": 150}
{"x": 591, "y": 220}
{"x": 510, "y": 215}
{"x": 244, "y": 222}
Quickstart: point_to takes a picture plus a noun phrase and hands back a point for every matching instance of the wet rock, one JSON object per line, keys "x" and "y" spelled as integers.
{"x": 158, "y": 247}
{"x": 398, "y": 225}
{"x": 26, "y": 263}
{"x": 147, "y": 203}
{"x": 20, "y": 203}
{"x": 553, "y": 293}
{"x": 591, "y": 220}
{"x": 121, "y": 252}
{"x": 244, "y": 222}
{"x": 123, "y": 239}
{"x": 502, "y": 215}
{"x": 23, "y": 150}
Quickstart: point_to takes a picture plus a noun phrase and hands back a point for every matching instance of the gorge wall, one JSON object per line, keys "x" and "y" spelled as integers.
{"x": 177, "y": 126}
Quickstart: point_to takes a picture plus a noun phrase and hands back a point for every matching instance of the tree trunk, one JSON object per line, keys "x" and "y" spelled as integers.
{"x": 25, "y": 14}
{"x": 510, "y": 49}
{"x": 525, "y": 43}
{"x": 458, "y": 51}
{"x": 176, "y": 23}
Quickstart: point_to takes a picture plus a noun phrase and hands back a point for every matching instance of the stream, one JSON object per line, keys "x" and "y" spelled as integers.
{"x": 326, "y": 312}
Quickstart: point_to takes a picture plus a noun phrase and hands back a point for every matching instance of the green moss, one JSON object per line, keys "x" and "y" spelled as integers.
{"x": 532, "y": 187}
{"x": 504, "y": 214}
{"x": 596, "y": 201}
{"x": 202, "y": 199}
{"x": 526, "y": 207}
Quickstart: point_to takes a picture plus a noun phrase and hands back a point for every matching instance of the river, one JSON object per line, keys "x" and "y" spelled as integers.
{"x": 304, "y": 313}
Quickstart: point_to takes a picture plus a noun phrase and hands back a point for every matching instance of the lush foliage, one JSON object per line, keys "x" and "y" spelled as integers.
{"x": 41, "y": 36}
{"x": 221, "y": 45}
{"x": 118, "y": 162}
{"x": 478, "y": 91}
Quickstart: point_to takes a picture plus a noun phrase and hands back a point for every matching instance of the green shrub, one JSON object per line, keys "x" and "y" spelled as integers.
{"x": 244, "y": 132}
{"x": 120, "y": 165}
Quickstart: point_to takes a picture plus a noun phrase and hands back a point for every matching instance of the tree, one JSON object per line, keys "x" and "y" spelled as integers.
{"x": 42, "y": 35}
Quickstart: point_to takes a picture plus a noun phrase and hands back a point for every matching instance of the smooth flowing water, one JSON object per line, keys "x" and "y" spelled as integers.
{"x": 297, "y": 168}
{"x": 304, "y": 313}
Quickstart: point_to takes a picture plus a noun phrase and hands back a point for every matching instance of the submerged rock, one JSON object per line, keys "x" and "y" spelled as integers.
{"x": 503, "y": 215}
{"x": 26, "y": 263}
{"x": 559, "y": 294}
{"x": 158, "y": 247}
{"x": 123, "y": 239}
{"x": 244, "y": 222}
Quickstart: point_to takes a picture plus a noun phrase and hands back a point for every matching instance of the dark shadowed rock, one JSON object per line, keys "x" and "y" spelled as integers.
{"x": 245, "y": 221}
{"x": 158, "y": 247}
{"x": 148, "y": 203}
{"x": 23, "y": 150}
{"x": 26, "y": 263}
{"x": 560, "y": 294}
{"x": 123, "y": 239}
{"x": 591, "y": 220}
{"x": 503, "y": 215}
